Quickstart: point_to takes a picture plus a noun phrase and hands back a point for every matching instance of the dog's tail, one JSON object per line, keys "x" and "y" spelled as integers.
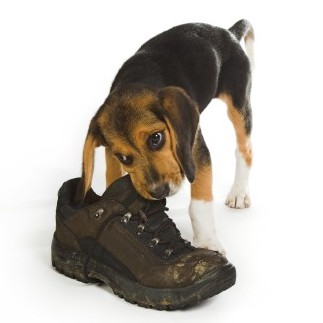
{"x": 243, "y": 29}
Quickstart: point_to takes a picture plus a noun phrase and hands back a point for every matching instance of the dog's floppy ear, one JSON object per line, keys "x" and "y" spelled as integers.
{"x": 182, "y": 118}
{"x": 93, "y": 140}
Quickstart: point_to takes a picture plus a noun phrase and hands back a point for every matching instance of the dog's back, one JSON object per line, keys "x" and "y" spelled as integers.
{"x": 189, "y": 56}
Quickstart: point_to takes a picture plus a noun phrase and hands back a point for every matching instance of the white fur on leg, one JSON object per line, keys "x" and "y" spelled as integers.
{"x": 238, "y": 197}
{"x": 202, "y": 218}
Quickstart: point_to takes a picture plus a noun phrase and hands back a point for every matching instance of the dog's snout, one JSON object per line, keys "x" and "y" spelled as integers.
{"x": 160, "y": 191}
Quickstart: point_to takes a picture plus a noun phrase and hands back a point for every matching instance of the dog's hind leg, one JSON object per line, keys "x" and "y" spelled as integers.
{"x": 238, "y": 196}
{"x": 234, "y": 90}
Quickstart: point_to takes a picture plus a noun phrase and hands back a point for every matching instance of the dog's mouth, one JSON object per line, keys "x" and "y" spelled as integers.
{"x": 163, "y": 191}
{"x": 158, "y": 192}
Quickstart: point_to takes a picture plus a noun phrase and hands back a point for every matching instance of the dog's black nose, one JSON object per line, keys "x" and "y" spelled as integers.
{"x": 160, "y": 191}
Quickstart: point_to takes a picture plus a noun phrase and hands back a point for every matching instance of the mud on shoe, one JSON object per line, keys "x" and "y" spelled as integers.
{"x": 131, "y": 244}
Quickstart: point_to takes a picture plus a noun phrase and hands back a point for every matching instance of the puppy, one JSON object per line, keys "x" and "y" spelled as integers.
{"x": 149, "y": 124}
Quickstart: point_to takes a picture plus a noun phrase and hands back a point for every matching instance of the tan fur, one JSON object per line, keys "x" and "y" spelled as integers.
{"x": 243, "y": 142}
{"x": 141, "y": 100}
{"x": 164, "y": 161}
{"x": 142, "y": 131}
{"x": 119, "y": 145}
{"x": 88, "y": 160}
{"x": 113, "y": 167}
{"x": 170, "y": 93}
{"x": 173, "y": 140}
{"x": 201, "y": 188}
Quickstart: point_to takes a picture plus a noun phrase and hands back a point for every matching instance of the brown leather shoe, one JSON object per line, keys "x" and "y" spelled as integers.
{"x": 131, "y": 244}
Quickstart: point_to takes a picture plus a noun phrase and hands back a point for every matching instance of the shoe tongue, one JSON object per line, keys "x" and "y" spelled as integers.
{"x": 122, "y": 190}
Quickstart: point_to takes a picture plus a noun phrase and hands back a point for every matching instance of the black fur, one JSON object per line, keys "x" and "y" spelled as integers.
{"x": 183, "y": 109}
{"x": 203, "y": 60}
{"x": 240, "y": 28}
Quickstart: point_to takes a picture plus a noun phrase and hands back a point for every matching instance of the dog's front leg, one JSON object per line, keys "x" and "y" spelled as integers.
{"x": 113, "y": 168}
{"x": 201, "y": 205}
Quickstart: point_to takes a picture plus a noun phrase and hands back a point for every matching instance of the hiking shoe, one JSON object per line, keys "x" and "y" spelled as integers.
{"x": 131, "y": 244}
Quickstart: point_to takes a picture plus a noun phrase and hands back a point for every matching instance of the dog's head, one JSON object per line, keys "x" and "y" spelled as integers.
{"x": 151, "y": 132}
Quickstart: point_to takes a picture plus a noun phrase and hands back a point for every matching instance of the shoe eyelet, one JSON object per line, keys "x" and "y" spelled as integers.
{"x": 141, "y": 229}
{"x": 154, "y": 242}
{"x": 125, "y": 219}
{"x": 98, "y": 214}
{"x": 167, "y": 253}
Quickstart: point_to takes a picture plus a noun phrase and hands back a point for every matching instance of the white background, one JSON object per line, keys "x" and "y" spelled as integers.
{"x": 57, "y": 61}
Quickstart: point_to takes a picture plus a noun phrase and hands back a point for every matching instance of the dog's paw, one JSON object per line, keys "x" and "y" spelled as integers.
{"x": 238, "y": 199}
{"x": 211, "y": 244}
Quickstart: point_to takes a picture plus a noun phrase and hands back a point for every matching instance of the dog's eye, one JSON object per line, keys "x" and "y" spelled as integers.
{"x": 156, "y": 141}
{"x": 127, "y": 160}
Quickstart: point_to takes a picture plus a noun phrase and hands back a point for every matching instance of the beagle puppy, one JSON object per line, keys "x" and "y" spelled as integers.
{"x": 149, "y": 124}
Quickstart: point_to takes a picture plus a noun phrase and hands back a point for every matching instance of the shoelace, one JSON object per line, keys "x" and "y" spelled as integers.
{"x": 174, "y": 244}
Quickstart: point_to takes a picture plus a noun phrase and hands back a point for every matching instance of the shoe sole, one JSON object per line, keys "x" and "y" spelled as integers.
{"x": 72, "y": 264}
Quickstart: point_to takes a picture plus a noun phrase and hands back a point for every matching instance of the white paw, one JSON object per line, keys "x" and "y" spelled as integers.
{"x": 211, "y": 244}
{"x": 238, "y": 199}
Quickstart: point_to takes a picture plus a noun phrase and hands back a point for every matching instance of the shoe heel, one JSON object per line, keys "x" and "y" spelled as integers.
{"x": 69, "y": 263}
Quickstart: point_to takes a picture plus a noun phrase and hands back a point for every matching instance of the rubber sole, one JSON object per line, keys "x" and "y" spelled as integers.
{"x": 72, "y": 263}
